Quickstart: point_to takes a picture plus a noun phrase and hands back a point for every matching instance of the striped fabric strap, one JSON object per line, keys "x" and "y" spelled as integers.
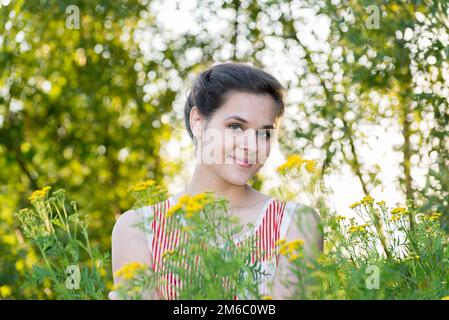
{"x": 287, "y": 218}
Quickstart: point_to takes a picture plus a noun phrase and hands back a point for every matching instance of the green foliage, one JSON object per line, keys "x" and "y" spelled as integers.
{"x": 376, "y": 252}
{"x": 72, "y": 267}
{"x": 386, "y": 258}
{"x": 80, "y": 120}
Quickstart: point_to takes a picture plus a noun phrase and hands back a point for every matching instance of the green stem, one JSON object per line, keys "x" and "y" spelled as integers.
{"x": 66, "y": 218}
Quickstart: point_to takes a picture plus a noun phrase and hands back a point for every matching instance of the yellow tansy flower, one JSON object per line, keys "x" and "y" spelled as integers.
{"x": 354, "y": 205}
{"x": 192, "y": 204}
{"x": 399, "y": 211}
{"x": 434, "y": 216}
{"x": 297, "y": 243}
{"x": 143, "y": 185}
{"x": 339, "y": 218}
{"x": 280, "y": 242}
{"x": 292, "y": 161}
{"x": 129, "y": 270}
{"x": 193, "y": 207}
{"x": 20, "y": 265}
{"x": 295, "y": 256}
{"x": 310, "y": 166}
{"x": 394, "y": 217}
{"x": 173, "y": 209}
{"x": 288, "y": 248}
{"x": 5, "y": 291}
{"x": 355, "y": 228}
{"x": 39, "y": 194}
{"x": 367, "y": 200}
{"x": 183, "y": 199}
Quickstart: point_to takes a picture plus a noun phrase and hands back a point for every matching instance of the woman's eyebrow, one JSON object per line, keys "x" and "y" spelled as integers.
{"x": 267, "y": 126}
{"x": 237, "y": 118}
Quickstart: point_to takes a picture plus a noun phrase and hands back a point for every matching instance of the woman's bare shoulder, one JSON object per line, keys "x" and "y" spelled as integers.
{"x": 132, "y": 220}
{"x": 127, "y": 219}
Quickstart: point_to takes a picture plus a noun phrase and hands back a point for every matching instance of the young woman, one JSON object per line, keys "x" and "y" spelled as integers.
{"x": 230, "y": 113}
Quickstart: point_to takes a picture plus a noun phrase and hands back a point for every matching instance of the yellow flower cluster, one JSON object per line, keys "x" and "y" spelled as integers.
{"x": 267, "y": 298}
{"x": 143, "y": 185}
{"x": 359, "y": 228}
{"x": 20, "y": 265}
{"x": 381, "y": 203}
{"x": 399, "y": 211}
{"x": 39, "y": 194}
{"x": 129, "y": 270}
{"x": 292, "y": 161}
{"x": 291, "y": 249}
{"x": 5, "y": 291}
{"x": 296, "y": 161}
{"x": 191, "y": 204}
{"x": 340, "y": 218}
{"x": 367, "y": 200}
{"x": 310, "y": 166}
{"x": 434, "y": 216}
{"x": 394, "y": 217}
{"x": 354, "y": 205}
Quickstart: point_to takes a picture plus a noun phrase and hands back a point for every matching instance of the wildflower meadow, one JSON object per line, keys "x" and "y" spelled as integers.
{"x": 380, "y": 252}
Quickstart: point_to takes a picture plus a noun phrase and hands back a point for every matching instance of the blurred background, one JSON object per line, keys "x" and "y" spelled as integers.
{"x": 92, "y": 95}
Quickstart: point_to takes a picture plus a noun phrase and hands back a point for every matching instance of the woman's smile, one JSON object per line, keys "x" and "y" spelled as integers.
{"x": 242, "y": 163}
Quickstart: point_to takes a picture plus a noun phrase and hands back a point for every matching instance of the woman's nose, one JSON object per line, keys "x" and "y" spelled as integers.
{"x": 249, "y": 143}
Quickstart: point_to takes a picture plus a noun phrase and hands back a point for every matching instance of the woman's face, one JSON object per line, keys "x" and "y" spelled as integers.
{"x": 235, "y": 141}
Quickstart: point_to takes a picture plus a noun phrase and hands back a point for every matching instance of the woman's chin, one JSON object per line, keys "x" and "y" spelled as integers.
{"x": 237, "y": 176}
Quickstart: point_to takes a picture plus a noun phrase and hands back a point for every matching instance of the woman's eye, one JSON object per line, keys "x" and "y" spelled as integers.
{"x": 264, "y": 134}
{"x": 234, "y": 126}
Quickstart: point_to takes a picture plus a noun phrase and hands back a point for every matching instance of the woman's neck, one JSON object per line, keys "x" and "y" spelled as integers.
{"x": 202, "y": 180}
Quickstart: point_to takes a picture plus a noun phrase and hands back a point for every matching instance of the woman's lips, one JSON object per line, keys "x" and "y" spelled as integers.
{"x": 242, "y": 163}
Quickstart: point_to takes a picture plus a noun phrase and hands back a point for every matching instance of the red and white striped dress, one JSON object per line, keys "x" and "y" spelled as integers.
{"x": 271, "y": 225}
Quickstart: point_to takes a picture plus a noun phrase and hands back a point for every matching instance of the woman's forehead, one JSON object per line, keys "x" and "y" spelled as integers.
{"x": 257, "y": 108}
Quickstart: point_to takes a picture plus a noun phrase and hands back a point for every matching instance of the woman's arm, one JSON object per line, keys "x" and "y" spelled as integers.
{"x": 305, "y": 226}
{"x": 129, "y": 244}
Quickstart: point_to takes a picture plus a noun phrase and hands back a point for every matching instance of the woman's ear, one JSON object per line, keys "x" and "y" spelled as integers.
{"x": 195, "y": 122}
